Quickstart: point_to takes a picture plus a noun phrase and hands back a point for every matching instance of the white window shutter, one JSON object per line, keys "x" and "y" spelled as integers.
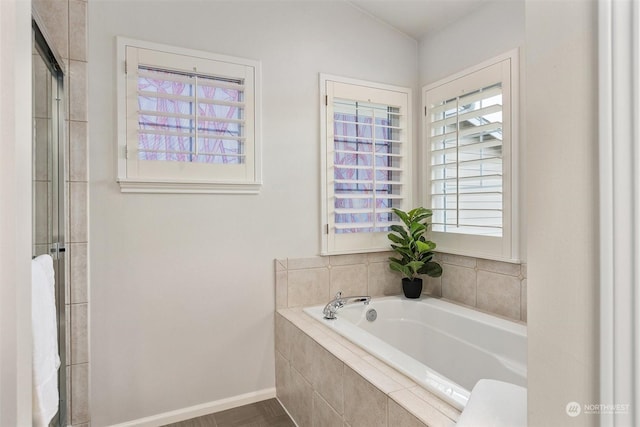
{"x": 188, "y": 122}
{"x": 469, "y": 141}
{"x": 367, "y": 144}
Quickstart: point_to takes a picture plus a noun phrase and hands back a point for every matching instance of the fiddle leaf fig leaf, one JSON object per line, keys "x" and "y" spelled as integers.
{"x": 409, "y": 242}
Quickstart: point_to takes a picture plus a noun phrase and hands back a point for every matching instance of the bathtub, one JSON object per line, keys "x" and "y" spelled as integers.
{"x": 444, "y": 347}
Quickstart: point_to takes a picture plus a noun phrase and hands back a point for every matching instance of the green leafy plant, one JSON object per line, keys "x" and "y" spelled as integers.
{"x": 409, "y": 242}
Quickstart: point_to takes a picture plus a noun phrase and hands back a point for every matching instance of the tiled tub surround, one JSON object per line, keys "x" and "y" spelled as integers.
{"x": 323, "y": 380}
{"x": 491, "y": 286}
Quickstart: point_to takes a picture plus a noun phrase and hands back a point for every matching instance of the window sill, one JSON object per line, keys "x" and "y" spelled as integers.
{"x": 187, "y": 187}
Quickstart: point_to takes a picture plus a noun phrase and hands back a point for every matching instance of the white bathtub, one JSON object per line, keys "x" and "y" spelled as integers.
{"x": 442, "y": 346}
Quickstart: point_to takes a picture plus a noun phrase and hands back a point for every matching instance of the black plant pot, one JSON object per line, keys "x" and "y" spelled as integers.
{"x": 412, "y": 288}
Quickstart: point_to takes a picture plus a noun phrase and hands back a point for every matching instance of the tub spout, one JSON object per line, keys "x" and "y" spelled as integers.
{"x": 339, "y": 301}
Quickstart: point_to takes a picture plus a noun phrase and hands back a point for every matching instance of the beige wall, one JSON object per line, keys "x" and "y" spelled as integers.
{"x": 562, "y": 132}
{"x": 15, "y": 213}
{"x": 182, "y": 289}
{"x": 65, "y": 22}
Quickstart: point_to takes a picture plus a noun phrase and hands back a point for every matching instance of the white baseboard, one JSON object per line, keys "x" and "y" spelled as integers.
{"x": 200, "y": 410}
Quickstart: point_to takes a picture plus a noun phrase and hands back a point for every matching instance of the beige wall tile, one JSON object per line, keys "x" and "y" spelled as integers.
{"x": 301, "y": 399}
{"x": 78, "y": 99}
{"x": 305, "y": 263}
{"x": 379, "y": 256}
{"x": 280, "y": 264}
{"x": 79, "y": 393}
{"x": 327, "y": 378}
{"x": 308, "y": 287}
{"x": 67, "y": 334}
{"x": 459, "y": 260}
{"x": 41, "y": 90}
{"x": 68, "y": 387}
{"x": 78, "y": 30}
{"x": 350, "y": 279}
{"x": 499, "y": 267}
{"x": 55, "y": 14}
{"x": 41, "y": 213}
{"x": 79, "y": 334}
{"x": 41, "y": 141}
{"x": 499, "y": 294}
{"x": 349, "y": 259}
{"x": 459, "y": 284}
{"x": 283, "y": 380}
{"x": 432, "y": 285}
{"x": 303, "y": 354}
{"x": 400, "y": 417}
{"x": 323, "y": 413}
{"x": 283, "y": 335}
{"x": 40, "y": 249}
{"x": 282, "y": 298}
{"x": 374, "y": 376}
{"x": 78, "y": 212}
{"x": 78, "y": 151}
{"x": 436, "y": 402}
{"x": 524, "y": 270}
{"x": 421, "y": 409}
{"x": 78, "y": 276}
{"x": 383, "y": 281}
{"x": 364, "y": 405}
{"x": 523, "y": 301}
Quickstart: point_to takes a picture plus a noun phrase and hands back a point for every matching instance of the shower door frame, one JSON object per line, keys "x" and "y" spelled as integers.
{"x": 57, "y": 222}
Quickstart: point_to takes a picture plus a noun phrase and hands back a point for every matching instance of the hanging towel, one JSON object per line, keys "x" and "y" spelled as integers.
{"x": 46, "y": 360}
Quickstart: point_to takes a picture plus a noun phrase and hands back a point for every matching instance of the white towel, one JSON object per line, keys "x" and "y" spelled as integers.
{"x": 495, "y": 404}
{"x": 46, "y": 360}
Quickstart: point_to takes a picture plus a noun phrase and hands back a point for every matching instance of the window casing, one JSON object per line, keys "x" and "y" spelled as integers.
{"x": 366, "y": 134}
{"x": 470, "y": 146}
{"x": 188, "y": 121}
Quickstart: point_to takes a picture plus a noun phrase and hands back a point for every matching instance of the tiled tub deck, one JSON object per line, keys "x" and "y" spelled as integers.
{"x": 324, "y": 380}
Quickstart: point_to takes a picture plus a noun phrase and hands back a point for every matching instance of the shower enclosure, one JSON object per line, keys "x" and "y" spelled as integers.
{"x": 48, "y": 184}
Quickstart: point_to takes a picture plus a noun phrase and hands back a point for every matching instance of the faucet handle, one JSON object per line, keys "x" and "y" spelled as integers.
{"x": 339, "y": 295}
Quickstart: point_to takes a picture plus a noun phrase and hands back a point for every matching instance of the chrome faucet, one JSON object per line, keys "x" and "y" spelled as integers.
{"x": 330, "y": 309}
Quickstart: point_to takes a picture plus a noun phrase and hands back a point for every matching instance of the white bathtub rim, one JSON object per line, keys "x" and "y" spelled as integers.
{"x": 446, "y": 389}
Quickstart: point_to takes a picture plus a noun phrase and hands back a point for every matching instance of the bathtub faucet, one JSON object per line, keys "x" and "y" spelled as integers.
{"x": 330, "y": 309}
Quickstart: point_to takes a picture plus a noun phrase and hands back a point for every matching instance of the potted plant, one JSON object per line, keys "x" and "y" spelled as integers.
{"x": 414, "y": 251}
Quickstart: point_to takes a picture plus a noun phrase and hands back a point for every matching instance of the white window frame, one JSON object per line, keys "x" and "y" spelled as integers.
{"x": 332, "y": 243}
{"x": 183, "y": 177}
{"x": 505, "y": 248}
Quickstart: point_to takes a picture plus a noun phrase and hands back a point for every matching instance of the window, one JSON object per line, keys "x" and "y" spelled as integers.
{"x": 188, "y": 121}
{"x": 366, "y": 164}
{"x": 470, "y": 157}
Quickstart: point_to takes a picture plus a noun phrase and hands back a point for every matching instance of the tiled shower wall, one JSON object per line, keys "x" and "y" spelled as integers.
{"x": 65, "y": 22}
{"x": 491, "y": 286}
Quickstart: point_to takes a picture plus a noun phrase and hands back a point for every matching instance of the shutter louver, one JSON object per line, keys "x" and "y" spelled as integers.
{"x": 367, "y": 139}
{"x": 189, "y": 117}
{"x": 367, "y": 175}
{"x": 465, "y": 142}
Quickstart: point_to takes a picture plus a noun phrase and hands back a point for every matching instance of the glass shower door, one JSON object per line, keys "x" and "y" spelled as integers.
{"x": 48, "y": 185}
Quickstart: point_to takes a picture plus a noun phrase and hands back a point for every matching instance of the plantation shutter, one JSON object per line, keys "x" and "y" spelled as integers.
{"x": 466, "y": 162}
{"x": 188, "y": 118}
{"x": 367, "y": 161}
{"x": 468, "y": 138}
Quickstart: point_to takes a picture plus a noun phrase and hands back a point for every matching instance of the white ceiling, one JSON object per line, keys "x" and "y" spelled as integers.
{"x": 418, "y": 17}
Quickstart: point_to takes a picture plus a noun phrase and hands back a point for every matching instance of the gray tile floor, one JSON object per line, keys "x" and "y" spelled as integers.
{"x": 267, "y": 413}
